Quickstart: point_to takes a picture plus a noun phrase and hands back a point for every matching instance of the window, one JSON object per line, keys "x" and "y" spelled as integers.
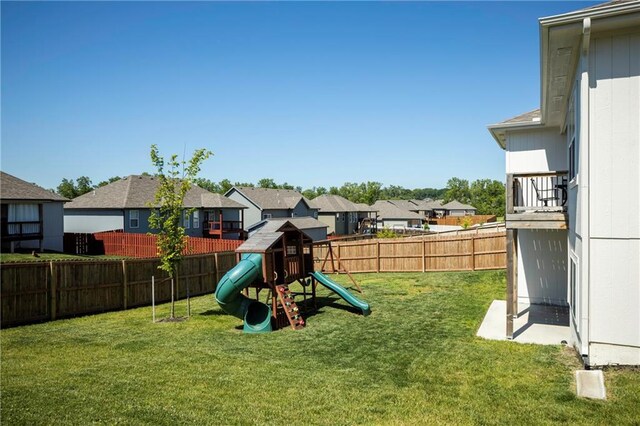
{"x": 134, "y": 219}
{"x": 291, "y": 250}
{"x": 294, "y": 214}
{"x": 266, "y": 216}
{"x": 196, "y": 219}
{"x": 315, "y": 214}
{"x": 187, "y": 220}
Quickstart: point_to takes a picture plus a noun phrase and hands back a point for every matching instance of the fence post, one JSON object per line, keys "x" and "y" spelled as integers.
{"x": 125, "y": 292}
{"x": 424, "y": 256}
{"x": 217, "y": 267}
{"x": 473, "y": 253}
{"x": 378, "y": 256}
{"x": 53, "y": 305}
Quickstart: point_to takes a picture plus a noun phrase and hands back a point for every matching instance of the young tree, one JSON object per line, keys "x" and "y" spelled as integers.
{"x": 175, "y": 181}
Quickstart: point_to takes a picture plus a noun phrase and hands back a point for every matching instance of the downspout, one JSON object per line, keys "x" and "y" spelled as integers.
{"x": 585, "y": 176}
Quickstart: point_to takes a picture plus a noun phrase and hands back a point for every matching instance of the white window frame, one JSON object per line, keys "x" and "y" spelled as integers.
{"x": 135, "y": 217}
{"x": 196, "y": 219}
{"x": 266, "y": 216}
{"x": 187, "y": 220}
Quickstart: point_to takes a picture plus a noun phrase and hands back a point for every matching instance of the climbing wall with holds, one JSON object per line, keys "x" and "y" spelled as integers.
{"x": 289, "y": 306}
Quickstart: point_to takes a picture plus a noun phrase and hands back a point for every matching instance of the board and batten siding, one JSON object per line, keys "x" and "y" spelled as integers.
{"x": 536, "y": 150}
{"x": 614, "y": 202}
{"x": 542, "y": 266}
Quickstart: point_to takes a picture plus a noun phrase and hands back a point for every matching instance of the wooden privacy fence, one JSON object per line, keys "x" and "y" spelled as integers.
{"x": 459, "y": 253}
{"x": 114, "y": 243}
{"x": 41, "y": 291}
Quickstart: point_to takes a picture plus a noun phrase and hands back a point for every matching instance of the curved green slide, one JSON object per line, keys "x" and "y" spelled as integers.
{"x": 342, "y": 292}
{"x": 256, "y": 315}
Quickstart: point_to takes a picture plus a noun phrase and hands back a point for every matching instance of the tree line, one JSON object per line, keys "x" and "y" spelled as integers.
{"x": 488, "y": 196}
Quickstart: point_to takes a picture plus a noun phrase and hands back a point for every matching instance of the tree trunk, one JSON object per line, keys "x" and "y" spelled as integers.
{"x": 173, "y": 300}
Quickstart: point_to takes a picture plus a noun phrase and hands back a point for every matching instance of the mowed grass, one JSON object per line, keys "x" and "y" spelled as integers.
{"x": 415, "y": 360}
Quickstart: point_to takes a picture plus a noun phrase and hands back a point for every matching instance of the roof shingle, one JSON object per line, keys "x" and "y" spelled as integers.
{"x": 13, "y": 188}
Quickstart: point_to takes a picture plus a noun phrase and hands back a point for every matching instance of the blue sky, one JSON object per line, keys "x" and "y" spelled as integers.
{"x": 314, "y": 94}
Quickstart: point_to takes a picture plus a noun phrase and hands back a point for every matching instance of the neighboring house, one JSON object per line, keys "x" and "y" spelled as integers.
{"x": 367, "y": 216}
{"x": 267, "y": 203}
{"x": 310, "y": 226}
{"x": 124, "y": 205}
{"x": 340, "y": 214}
{"x": 391, "y": 216}
{"x": 32, "y": 217}
{"x": 456, "y": 208}
{"x": 573, "y": 204}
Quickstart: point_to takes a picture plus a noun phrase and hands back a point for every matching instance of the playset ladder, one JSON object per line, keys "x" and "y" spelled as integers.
{"x": 290, "y": 308}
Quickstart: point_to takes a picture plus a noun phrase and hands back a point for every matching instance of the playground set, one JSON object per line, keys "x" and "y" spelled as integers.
{"x": 275, "y": 257}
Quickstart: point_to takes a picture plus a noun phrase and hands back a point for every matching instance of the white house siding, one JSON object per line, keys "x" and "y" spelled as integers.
{"x": 542, "y": 266}
{"x": 92, "y": 221}
{"x": 614, "y": 200}
{"x": 536, "y": 150}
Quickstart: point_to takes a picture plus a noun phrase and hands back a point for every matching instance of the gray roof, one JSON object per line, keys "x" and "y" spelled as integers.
{"x": 405, "y": 205}
{"x": 13, "y": 188}
{"x": 433, "y": 205}
{"x": 301, "y": 223}
{"x": 387, "y": 210}
{"x": 272, "y": 199}
{"x": 270, "y": 233}
{"x": 456, "y": 205}
{"x": 528, "y": 117}
{"x": 335, "y": 203}
{"x": 139, "y": 192}
{"x": 362, "y": 207}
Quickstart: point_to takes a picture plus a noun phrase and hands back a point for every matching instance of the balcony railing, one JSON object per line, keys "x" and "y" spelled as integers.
{"x": 223, "y": 226}
{"x": 21, "y": 230}
{"x": 537, "y": 192}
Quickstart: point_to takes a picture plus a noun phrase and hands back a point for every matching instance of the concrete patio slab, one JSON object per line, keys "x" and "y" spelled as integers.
{"x": 590, "y": 384}
{"x": 539, "y": 324}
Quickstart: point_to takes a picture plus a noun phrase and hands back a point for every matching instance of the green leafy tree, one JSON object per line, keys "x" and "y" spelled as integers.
{"x": 488, "y": 196}
{"x": 175, "y": 178}
{"x": 267, "y": 183}
{"x": 70, "y": 189}
{"x": 371, "y": 192}
{"x": 457, "y": 189}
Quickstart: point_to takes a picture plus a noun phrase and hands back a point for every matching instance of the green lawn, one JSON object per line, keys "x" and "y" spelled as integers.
{"x": 415, "y": 360}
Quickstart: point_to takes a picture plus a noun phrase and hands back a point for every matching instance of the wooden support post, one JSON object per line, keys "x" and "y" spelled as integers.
{"x": 424, "y": 256}
{"x": 512, "y": 282}
{"x": 125, "y": 290}
{"x": 378, "y": 256}
{"x": 53, "y": 295}
{"x": 515, "y": 274}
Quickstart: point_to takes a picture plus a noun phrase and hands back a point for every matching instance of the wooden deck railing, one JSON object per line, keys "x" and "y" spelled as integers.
{"x": 537, "y": 192}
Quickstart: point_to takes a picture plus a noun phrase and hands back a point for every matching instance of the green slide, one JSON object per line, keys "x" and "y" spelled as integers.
{"x": 256, "y": 315}
{"x": 342, "y": 292}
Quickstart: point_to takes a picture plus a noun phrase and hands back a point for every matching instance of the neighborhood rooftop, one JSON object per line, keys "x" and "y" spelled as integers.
{"x": 139, "y": 192}
{"x": 335, "y": 203}
{"x": 387, "y": 210}
{"x": 12, "y": 188}
{"x": 268, "y": 198}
